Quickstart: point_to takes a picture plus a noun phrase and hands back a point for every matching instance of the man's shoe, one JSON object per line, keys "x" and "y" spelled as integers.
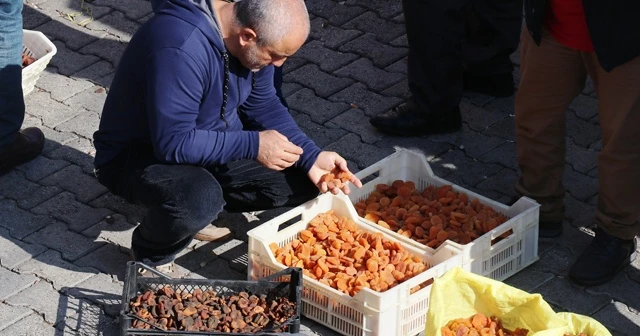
{"x": 27, "y": 145}
{"x": 497, "y": 85}
{"x": 212, "y": 233}
{"x": 407, "y": 120}
{"x": 602, "y": 260}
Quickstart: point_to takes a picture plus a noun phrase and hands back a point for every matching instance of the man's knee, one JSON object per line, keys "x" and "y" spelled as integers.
{"x": 198, "y": 196}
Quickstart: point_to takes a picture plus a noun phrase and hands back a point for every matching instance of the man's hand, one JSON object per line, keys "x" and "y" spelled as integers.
{"x": 276, "y": 151}
{"x": 325, "y": 163}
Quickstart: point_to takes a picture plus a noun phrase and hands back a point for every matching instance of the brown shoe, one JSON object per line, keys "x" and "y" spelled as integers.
{"x": 26, "y": 147}
{"x": 212, "y": 232}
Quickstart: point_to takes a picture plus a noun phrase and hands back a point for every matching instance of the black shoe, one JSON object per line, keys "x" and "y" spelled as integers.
{"x": 497, "y": 85}
{"x": 546, "y": 229}
{"x": 407, "y": 120}
{"x": 27, "y": 145}
{"x": 603, "y": 259}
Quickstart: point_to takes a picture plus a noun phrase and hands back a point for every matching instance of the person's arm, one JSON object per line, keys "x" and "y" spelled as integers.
{"x": 264, "y": 110}
{"x": 174, "y": 86}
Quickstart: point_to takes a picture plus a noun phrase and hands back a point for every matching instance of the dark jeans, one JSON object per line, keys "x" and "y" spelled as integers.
{"x": 183, "y": 199}
{"x": 454, "y": 37}
{"x": 11, "y": 99}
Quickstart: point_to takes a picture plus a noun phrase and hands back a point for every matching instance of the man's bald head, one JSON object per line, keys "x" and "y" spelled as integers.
{"x": 273, "y": 20}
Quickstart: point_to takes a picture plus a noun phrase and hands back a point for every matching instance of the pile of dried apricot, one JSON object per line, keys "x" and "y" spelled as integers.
{"x": 479, "y": 325}
{"x": 337, "y": 253}
{"x": 337, "y": 178}
{"x": 431, "y": 216}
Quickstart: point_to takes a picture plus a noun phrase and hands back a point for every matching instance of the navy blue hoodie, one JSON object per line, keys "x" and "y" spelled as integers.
{"x": 167, "y": 92}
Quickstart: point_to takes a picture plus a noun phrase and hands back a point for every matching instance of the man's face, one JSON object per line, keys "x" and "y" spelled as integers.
{"x": 256, "y": 57}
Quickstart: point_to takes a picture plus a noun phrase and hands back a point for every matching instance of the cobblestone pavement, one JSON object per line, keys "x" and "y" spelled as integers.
{"x": 64, "y": 239}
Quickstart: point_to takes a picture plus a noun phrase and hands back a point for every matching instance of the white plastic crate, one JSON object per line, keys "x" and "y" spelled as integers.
{"x": 38, "y": 46}
{"x": 368, "y": 313}
{"x": 497, "y": 260}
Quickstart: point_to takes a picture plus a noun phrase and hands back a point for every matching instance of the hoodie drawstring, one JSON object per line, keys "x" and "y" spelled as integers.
{"x": 225, "y": 88}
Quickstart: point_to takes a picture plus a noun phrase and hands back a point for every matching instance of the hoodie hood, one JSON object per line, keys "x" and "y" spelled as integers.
{"x": 199, "y": 13}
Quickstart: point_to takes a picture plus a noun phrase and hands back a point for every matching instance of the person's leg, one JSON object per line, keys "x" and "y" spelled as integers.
{"x": 491, "y": 36}
{"x": 434, "y": 33}
{"x": 249, "y": 186}
{"x": 552, "y": 75}
{"x": 618, "y": 208}
{"x": 181, "y": 200}
{"x": 15, "y": 147}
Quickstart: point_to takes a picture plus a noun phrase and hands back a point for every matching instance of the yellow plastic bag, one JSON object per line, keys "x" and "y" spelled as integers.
{"x": 460, "y": 294}
{"x": 577, "y": 324}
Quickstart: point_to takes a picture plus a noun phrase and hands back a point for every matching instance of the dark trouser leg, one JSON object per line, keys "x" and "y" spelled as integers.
{"x": 181, "y": 200}
{"x": 11, "y": 99}
{"x": 248, "y": 186}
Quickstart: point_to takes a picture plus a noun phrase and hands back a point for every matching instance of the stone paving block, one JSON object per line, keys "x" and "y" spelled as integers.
{"x": 503, "y": 181}
{"x": 28, "y": 194}
{"x": 107, "y": 48}
{"x": 370, "y": 22}
{"x": 425, "y": 145}
{"x": 133, "y": 212}
{"x": 73, "y": 36}
{"x": 504, "y": 128}
{"x": 556, "y": 261}
{"x": 292, "y": 64}
{"x": 320, "y": 134}
{"x": 386, "y": 9}
{"x": 365, "y": 72}
{"x": 561, "y": 292}
{"x": 10, "y": 315}
{"x": 56, "y": 236}
{"x": 506, "y": 104}
{"x": 320, "y": 110}
{"x": 476, "y": 144}
{"x": 327, "y": 59}
{"x": 401, "y": 41}
{"x": 109, "y": 259}
{"x": 72, "y": 179}
{"x": 113, "y": 229}
{"x": 331, "y": 36}
{"x": 370, "y": 102}
{"x": 32, "y": 18}
{"x": 52, "y": 112}
{"x": 65, "y": 207}
{"x": 91, "y": 99}
{"x": 617, "y": 316}
{"x": 198, "y": 257}
{"x": 322, "y": 83}
{"x": 101, "y": 289}
{"x": 333, "y": 12}
{"x": 589, "y": 87}
{"x": 32, "y": 325}
{"x": 582, "y": 132}
{"x": 400, "y": 90}
{"x": 582, "y": 160}
{"x": 529, "y": 280}
{"x": 116, "y": 24}
{"x": 477, "y": 99}
{"x": 505, "y": 155}
{"x": 54, "y": 139}
{"x": 580, "y": 186}
{"x": 134, "y": 9}
{"x": 355, "y": 121}
{"x": 88, "y": 320}
{"x": 41, "y": 167}
{"x": 220, "y": 269}
{"x": 43, "y": 299}
{"x": 235, "y": 252}
{"x": 585, "y": 107}
{"x": 399, "y": 67}
{"x": 12, "y": 283}
{"x": 95, "y": 71}
{"x": 381, "y": 54}
{"x": 621, "y": 289}
{"x": 468, "y": 172}
{"x": 145, "y": 18}
{"x": 290, "y": 88}
{"x": 78, "y": 151}
{"x": 68, "y": 61}
{"x": 14, "y": 252}
{"x": 105, "y": 81}
{"x": 51, "y": 267}
{"x": 20, "y": 223}
{"x": 84, "y": 124}
{"x": 352, "y": 148}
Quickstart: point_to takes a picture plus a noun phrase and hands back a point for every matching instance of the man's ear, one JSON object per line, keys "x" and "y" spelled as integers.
{"x": 247, "y": 36}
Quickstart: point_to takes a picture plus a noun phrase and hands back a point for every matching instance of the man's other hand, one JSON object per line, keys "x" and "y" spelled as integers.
{"x": 276, "y": 151}
{"x": 325, "y": 163}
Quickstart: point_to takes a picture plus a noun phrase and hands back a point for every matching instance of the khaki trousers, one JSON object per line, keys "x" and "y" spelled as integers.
{"x": 552, "y": 76}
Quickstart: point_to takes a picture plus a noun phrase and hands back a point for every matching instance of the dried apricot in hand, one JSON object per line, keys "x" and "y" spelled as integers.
{"x": 480, "y": 325}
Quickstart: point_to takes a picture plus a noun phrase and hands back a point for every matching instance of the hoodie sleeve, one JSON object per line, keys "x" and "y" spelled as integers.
{"x": 175, "y": 83}
{"x": 264, "y": 110}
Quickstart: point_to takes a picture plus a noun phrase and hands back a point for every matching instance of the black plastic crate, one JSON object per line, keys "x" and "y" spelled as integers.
{"x": 287, "y": 283}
